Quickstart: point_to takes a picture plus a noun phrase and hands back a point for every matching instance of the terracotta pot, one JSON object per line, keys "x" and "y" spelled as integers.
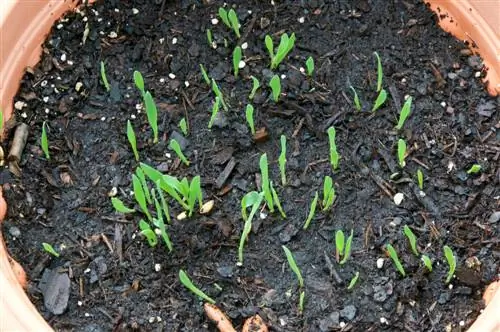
{"x": 24, "y": 25}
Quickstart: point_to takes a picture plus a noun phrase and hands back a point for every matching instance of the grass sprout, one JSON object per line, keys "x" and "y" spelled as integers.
{"x": 184, "y": 278}
{"x": 233, "y": 20}
{"x": 341, "y": 250}
{"x": 275, "y": 84}
{"x": 249, "y": 117}
{"x": 50, "y": 249}
{"x": 44, "y": 141}
{"x": 401, "y": 152}
{"x": 215, "y": 110}
{"x": 353, "y": 281}
{"x": 310, "y": 66}
{"x": 381, "y": 98}
{"x": 282, "y": 160}
{"x": 452, "y": 263}
{"x": 328, "y": 193}
{"x": 266, "y": 187}
{"x": 420, "y": 179}
{"x": 411, "y": 238}
{"x": 236, "y": 60}
{"x": 301, "y": 301}
{"x": 205, "y": 75}
{"x": 183, "y": 126}
{"x": 334, "y": 155}
{"x": 285, "y": 46}
{"x": 160, "y": 223}
{"x": 252, "y": 199}
{"x": 152, "y": 114}
{"x": 427, "y": 262}
{"x": 150, "y": 235}
{"x": 218, "y": 93}
{"x": 255, "y": 86}
{"x": 296, "y": 270}
{"x": 144, "y": 184}
{"x": 174, "y": 145}
{"x": 357, "y": 103}
{"x": 277, "y": 200}
{"x": 104, "y": 77}
{"x": 405, "y": 112}
{"x": 224, "y": 17}
{"x": 474, "y": 169}
{"x": 380, "y": 73}
{"x": 394, "y": 256}
{"x": 132, "y": 140}
{"x": 312, "y": 211}
{"x": 140, "y": 196}
{"x": 120, "y": 206}
{"x": 210, "y": 38}
{"x": 139, "y": 82}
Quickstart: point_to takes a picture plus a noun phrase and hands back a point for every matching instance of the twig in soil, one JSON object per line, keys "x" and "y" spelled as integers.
{"x": 421, "y": 163}
{"x": 221, "y": 179}
{"x": 297, "y": 129}
{"x": 188, "y": 101}
{"x": 439, "y": 78}
{"x": 118, "y": 239}
{"x": 106, "y": 241}
{"x": 248, "y": 30}
{"x": 17, "y": 147}
{"x": 333, "y": 271}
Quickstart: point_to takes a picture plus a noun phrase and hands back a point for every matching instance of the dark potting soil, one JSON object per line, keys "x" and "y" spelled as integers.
{"x": 116, "y": 281}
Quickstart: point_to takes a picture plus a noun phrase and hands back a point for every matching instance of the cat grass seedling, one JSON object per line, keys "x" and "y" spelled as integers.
{"x": 310, "y": 66}
{"x": 427, "y": 262}
{"x": 152, "y": 114}
{"x": 412, "y": 239}
{"x": 452, "y": 263}
{"x": 104, "y": 77}
{"x": 282, "y": 160}
{"x": 120, "y": 206}
{"x": 266, "y": 187}
{"x": 405, "y": 112}
{"x": 420, "y": 179}
{"x": 50, "y": 249}
{"x": 159, "y": 222}
{"x": 140, "y": 196}
{"x": 357, "y": 103}
{"x": 394, "y": 256}
{"x": 255, "y": 86}
{"x": 218, "y": 93}
{"x": 277, "y": 200}
{"x": 328, "y": 193}
{"x": 252, "y": 199}
{"x": 175, "y": 146}
{"x": 380, "y": 73}
{"x": 353, "y": 281}
{"x": 183, "y": 126}
{"x": 334, "y": 155}
{"x": 132, "y": 140}
{"x": 236, "y": 60}
{"x": 140, "y": 175}
{"x": 298, "y": 274}
{"x": 275, "y": 84}
{"x": 205, "y": 75}
{"x": 401, "y": 152}
{"x": 184, "y": 278}
{"x": 342, "y": 252}
{"x": 139, "y": 82}
{"x": 210, "y": 38}
{"x": 381, "y": 98}
{"x": 230, "y": 19}
{"x": 215, "y": 110}
{"x": 224, "y": 18}
{"x": 474, "y": 169}
{"x": 285, "y": 46}
{"x": 312, "y": 211}
{"x": 44, "y": 141}
{"x": 148, "y": 233}
{"x": 249, "y": 117}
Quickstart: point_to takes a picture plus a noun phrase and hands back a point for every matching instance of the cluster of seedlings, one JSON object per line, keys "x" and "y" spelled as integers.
{"x": 154, "y": 191}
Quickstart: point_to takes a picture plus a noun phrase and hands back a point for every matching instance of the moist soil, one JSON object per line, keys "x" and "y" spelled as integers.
{"x": 116, "y": 281}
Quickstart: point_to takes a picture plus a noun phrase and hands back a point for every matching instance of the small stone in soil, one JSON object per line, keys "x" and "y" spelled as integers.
{"x": 55, "y": 288}
{"x": 225, "y": 271}
{"x": 348, "y": 312}
{"x": 287, "y": 233}
{"x": 14, "y": 231}
{"x": 220, "y": 120}
{"x": 98, "y": 267}
{"x": 443, "y": 298}
{"x": 330, "y": 322}
{"x": 494, "y": 217}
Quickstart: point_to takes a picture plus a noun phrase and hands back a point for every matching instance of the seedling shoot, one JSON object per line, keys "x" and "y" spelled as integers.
{"x": 275, "y": 85}
{"x": 334, "y": 155}
{"x": 394, "y": 256}
{"x": 132, "y": 140}
{"x": 405, "y": 112}
{"x": 249, "y": 117}
{"x": 45, "y": 141}
{"x": 282, "y": 160}
{"x": 175, "y": 146}
{"x": 104, "y": 78}
{"x": 184, "y": 278}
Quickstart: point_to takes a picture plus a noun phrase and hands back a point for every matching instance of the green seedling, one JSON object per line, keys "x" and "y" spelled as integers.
{"x": 353, "y": 281}
{"x": 252, "y": 199}
{"x": 152, "y": 114}
{"x": 236, "y": 60}
{"x": 205, "y": 75}
{"x": 401, "y": 152}
{"x": 301, "y": 301}
{"x": 249, "y": 117}
{"x": 132, "y": 140}
{"x": 381, "y": 98}
{"x": 233, "y": 20}
{"x": 277, "y": 200}
{"x": 140, "y": 196}
{"x": 380, "y": 73}
{"x": 420, "y": 179}
{"x": 310, "y": 66}
{"x": 474, "y": 169}
{"x": 194, "y": 194}
{"x": 405, "y": 112}
{"x": 139, "y": 82}
{"x": 224, "y": 17}
{"x": 427, "y": 262}
{"x": 174, "y": 145}
{"x": 104, "y": 78}
{"x": 394, "y": 256}
{"x": 255, "y": 86}
{"x": 412, "y": 239}
{"x": 150, "y": 235}
{"x": 342, "y": 251}
{"x": 282, "y": 160}
{"x": 140, "y": 175}
{"x": 169, "y": 184}
{"x": 334, "y": 155}
{"x": 357, "y": 103}
{"x": 285, "y": 46}
{"x": 296, "y": 270}
{"x": 452, "y": 263}
{"x": 120, "y": 206}
{"x": 159, "y": 222}
{"x": 184, "y": 278}
{"x": 266, "y": 187}
{"x": 183, "y": 126}
{"x": 218, "y": 93}
{"x": 275, "y": 84}
{"x": 210, "y": 38}
{"x": 328, "y": 193}
{"x": 163, "y": 201}
{"x": 50, "y": 249}
{"x": 312, "y": 211}
{"x": 215, "y": 110}
{"x": 44, "y": 141}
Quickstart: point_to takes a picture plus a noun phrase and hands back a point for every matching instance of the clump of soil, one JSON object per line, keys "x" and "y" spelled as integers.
{"x": 112, "y": 279}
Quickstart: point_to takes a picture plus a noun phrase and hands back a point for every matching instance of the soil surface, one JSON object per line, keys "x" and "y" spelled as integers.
{"x": 107, "y": 276}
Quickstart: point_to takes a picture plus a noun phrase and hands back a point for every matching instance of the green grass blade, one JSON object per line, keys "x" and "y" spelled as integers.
{"x": 224, "y": 17}
{"x": 277, "y": 201}
{"x": 215, "y": 110}
{"x": 395, "y": 259}
{"x": 381, "y": 98}
{"x": 255, "y": 86}
{"x": 401, "y": 152}
{"x": 282, "y": 160}
{"x": 357, "y": 103}
{"x": 248, "y": 227}
{"x": 184, "y": 278}
{"x": 104, "y": 77}
{"x": 420, "y": 179}
{"x": 132, "y": 140}
{"x": 174, "y": 145}
{"x": 380, "y": 73}
{"x": 152, "y": 114}
{"x": 293, "y": 265}
{"x": 334, "y": 155}
{"x": 339, "y": 244}
{"x": 140, "y": 197}
{"x": 347, "y": 251}
{"x": 412, "y": 239}
{"x": 275, "y": 84}
{"x": 270, "y": 47}
{"x": 310, "y": 66}
{"x": 312, "y": 211}
{"x": 205, "y": 75}
{"x": 235, "y": 24}
{"x": 48, "y": 248}
{"x": 249, "y": 117}
{"x": 452, "y": 263}
{"x": 236, "y": 60}
{"x": 266, "y": 189}
{"x": 139, "y": 82}
{"x": 427, "y": 262}
{"x": 405, "y": 112}
{"x": 120, "y": 206}
{"x": 45, "y": 141}
{"x": 142, "y": 178}
{"x": 353, "y": 281}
